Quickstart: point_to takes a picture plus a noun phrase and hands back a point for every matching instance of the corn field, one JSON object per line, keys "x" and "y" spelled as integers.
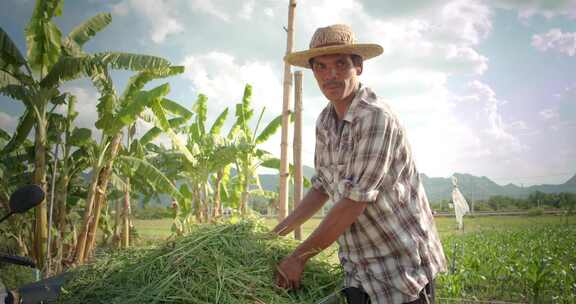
{"x": 527, "y": 265}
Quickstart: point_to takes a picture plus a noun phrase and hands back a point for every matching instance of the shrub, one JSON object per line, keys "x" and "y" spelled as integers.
{"x": 535, "y": 212}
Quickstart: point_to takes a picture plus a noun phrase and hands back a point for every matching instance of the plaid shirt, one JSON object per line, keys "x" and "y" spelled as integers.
{"x": 392, "y": 250}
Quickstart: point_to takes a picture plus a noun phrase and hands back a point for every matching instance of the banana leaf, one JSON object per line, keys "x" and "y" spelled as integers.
{"x": 9, "y": 53}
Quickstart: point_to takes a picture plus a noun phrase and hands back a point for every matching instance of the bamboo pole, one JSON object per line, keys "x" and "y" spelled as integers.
{"x": 283, "y": 195}
{"x": 297, "y": 146}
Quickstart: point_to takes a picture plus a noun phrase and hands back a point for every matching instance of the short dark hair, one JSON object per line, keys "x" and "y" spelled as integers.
{"x": 356, "y": 60}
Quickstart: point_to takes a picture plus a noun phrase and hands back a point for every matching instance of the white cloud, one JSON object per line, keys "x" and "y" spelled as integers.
{"x": 548, "y": 9}
{"x": 269, "y": 12}
{"x": 443, "y": 40}
{"x": 326, "y": 12}
{"x": 451, "y": 133}
{"x": 8, "y": 122}
{"x": 548, "y": 114}
{"x": 121, "y": 9}
{"x": 228, "y": 11}
{"x": 408, "y": 82}
{"x": 159, "y": 14}
{"x": 481, "y": 111}
{"x": 465, "y": 20}
{"x": 466, "y": 59}
{"x": 556, "y": 40}
{"x": 222, "y": 78}
{"x": 563, "y": 125}
{"x": 518, "y": 125}
{"x": 209, "y": 7}
{"x": 87, "y": 99}
{"x": 247, "y": 9}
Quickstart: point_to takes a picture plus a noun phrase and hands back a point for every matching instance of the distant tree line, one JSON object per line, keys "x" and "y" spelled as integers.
{"x": 537, "y": 199}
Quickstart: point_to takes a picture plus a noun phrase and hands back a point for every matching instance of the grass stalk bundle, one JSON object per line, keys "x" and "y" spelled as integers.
{"x": 218, "y": 263}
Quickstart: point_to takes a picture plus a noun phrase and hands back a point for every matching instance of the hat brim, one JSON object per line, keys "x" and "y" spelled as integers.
{"x": 302, "y": 58}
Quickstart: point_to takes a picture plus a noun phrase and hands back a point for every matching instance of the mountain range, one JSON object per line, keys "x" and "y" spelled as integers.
{"x": 440, "y": 188}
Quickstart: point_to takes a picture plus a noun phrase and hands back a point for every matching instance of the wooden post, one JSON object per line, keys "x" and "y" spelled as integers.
{"x": 297, "y": 146}
{"x": 283, "y": 195}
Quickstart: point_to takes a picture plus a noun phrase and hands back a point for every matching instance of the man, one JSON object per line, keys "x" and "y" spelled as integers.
{"x": 388, "y": 243}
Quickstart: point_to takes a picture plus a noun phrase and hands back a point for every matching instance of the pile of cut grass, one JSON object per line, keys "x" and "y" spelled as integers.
{"x": 220, "y": 263}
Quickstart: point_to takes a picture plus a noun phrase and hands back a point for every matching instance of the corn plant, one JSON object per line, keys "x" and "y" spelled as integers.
{"x": 535, "y": 265}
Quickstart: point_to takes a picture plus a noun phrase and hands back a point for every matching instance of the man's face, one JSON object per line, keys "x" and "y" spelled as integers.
{"x": 336, "y": 75}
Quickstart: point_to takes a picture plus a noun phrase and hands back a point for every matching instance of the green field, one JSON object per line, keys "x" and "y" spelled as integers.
{"x": 158, "y": 229}
{"x": 515, "y": 259}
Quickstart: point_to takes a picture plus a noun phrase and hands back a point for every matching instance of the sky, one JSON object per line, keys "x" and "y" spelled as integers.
{"x": 482, "y": 87}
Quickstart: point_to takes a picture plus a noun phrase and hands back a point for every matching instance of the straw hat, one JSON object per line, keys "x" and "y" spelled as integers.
{"x": 334, "y": 39}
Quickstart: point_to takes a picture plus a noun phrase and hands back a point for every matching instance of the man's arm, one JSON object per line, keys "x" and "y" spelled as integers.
{"x": 309, "y": 205}
{"x": 340, "y": 217}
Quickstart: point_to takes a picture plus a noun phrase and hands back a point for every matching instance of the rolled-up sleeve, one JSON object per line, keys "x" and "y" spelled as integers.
{"x": 317, "y": 183}
{"x": 318, "y": 180}
{"x": 375, "y": 138}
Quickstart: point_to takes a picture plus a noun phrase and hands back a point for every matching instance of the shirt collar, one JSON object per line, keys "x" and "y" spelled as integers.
{"x": 360, "y": 95}
{"x": 332, "y": 118}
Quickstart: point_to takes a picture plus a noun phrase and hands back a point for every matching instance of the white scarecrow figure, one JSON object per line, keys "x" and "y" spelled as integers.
{"x": 460, "y": 204}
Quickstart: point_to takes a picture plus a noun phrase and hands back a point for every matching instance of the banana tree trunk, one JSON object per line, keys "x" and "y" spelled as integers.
{"x": 90, "y": 212}
{"x": 61, "y": 198}
{"x": 243, "y": 202}
{"x": 118, "y": 207}
{"x": 246, "y": 174}
{"x": 88, "y": 215}
{"x": 126, "y": 217}
{"x": 197, "y": 204}
{"x": 102, "y": 187}
{"x": 41, "y": 214}
{"x": 218, "y": 195}
{"x": 205, "y": 203}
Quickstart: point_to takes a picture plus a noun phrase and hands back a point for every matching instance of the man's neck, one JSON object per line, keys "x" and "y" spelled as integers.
{"x": 341, "y": 106}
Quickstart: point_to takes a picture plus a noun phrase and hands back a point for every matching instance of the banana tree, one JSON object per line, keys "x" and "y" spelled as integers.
{"x": 171, "y": 160}
{"x": 134, "y": 171}
{"x": 72, "y": 63}
{"x": 249, "y": 157}
{"x": 133, "y": 161}
{"x": 24, "y": 79}
{"x": 210, "y": 153}
{"x": 76, "y": 145}
{"x": 115, "y": 114}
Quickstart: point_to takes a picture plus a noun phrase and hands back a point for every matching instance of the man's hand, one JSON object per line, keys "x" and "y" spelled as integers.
{"x": 289, "y": 272}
